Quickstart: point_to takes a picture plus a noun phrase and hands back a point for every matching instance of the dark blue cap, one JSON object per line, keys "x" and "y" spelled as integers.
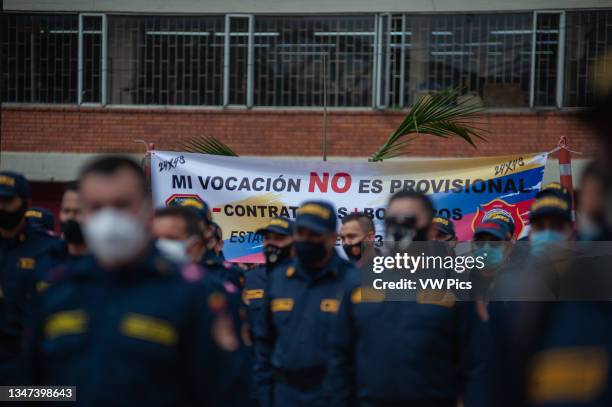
{"x": 280, "y": 225}
{"x": 444, "y": 225}
{"x": 500, "y": 215}
{"x": 495, "y": 228}
{"x": 200, "y": 207}
{"x": 551, "y": 205}
{"x": 318, "y": 216}
{"x": 41, "y": 217}
{"x": 13, "y": 184}
{"x": 555, "y": 189}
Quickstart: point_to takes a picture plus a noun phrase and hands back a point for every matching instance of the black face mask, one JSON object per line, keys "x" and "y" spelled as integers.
{"x": 10, "y": 220}
{"x": 399, "y": 229}
{"x": 310, "y": 253}
{"x": 353, "y": 251}
{"x": 71, "y": 229}
{"x": 275, "y": 254}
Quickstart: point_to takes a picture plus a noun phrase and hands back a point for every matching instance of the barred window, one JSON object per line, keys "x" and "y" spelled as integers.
{"x": 39, "y": 55}
{"x": 165, "y": 60}
{"x": 487, "y": 55}
{"x": 588, "y": 36}
{"x": 294, "y": 56}
{"x": 546, "y": 59}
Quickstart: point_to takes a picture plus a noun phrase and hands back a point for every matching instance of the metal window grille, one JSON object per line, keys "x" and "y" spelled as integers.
{"x": 290, "y": 53}
{"x": 91, "y": 59}
{"x": 546, "y": 58}
{"x": 39, "y": 58}
{"x": 165, "y": 60}
{"x": 487, "y": 55}
{"x": 588, "y": 36}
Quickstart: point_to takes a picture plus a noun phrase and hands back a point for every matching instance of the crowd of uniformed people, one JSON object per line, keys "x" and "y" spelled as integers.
{"x": 137, "y": 306}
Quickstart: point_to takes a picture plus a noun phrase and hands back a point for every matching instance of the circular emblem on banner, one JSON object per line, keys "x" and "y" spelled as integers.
{"x": 499, "y": 209}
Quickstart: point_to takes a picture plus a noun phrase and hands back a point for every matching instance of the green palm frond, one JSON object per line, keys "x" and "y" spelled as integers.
{"x": 438, "y": 114}
{"x": 208, "y": 145}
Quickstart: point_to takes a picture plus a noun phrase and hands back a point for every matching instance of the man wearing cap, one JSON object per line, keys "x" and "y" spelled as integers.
{"x": 444, "y": 231}
{"x": 430, "y": 351}
{"x": 42, "y": 218}
{"x": 21, "y": 247}
{"x": 302, "y": 299}
{"x": 491, "y": 243}
{"x": 277, "y": 249}
{"x": 550, "y": 220}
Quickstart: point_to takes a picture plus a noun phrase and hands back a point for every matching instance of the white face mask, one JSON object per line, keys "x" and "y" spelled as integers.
{"x": 114, "y": 237}
{"x": 174, "y": 250}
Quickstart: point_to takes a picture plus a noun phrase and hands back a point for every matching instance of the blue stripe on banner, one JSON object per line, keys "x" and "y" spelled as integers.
{"x": 468, "y": 202}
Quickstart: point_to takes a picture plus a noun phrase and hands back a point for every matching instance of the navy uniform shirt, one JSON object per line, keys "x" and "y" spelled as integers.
{"x": 292, "y": 335}
{"x": 431, "y": 351}
{"x": 18, "y": 262}
{"x": 255, "y": 287}
{"x": 145, "y": 335}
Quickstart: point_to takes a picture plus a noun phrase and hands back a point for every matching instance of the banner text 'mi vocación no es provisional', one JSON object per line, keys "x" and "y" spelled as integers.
{"x": 244, "y": 193}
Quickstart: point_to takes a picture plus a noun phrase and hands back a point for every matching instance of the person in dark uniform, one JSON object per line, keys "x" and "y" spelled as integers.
{"x": 292, "y": 335}
{"x": 70, "y": 221}
{"x": 127, "y": 326}
{"x": 22, "y": 245}
{"x": 428, "y": 352}
{"x": 42, "y": 218}
{"x": 358, "y": 234}
{"x": 209, "y": 258}
{"x": 72, "y": 247}
{"x": 277, "y": 249}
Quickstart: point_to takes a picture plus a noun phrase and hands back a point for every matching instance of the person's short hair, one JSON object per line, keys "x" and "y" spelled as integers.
{"x": 192, "y": 223}
{"x": 110, "y": 165}
{"x": 72, "y": 186}
{"x": 365, "y": 222}
{"x": 419, "y": 196}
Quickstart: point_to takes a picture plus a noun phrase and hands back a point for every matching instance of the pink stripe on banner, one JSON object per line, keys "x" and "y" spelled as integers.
{"x": 251, "y": 258}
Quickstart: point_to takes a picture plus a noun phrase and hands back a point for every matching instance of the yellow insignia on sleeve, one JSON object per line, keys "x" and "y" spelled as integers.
{"x": 65, "y": 323}
{"x": 281, "y": 304}
{"x": 253, "y": 294}
{"x": 444, "y": 298}
{"x": 330, "y": 305}
{"x": 290, "y": 271}
{"x": 27, "y": 263}
{"x": 149, "y": 329}
{"x": 568, "y": 375}
{"x": 367, "y": 294}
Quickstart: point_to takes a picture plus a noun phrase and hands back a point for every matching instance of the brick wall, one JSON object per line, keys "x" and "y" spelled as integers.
{"x": 271, "y": 132}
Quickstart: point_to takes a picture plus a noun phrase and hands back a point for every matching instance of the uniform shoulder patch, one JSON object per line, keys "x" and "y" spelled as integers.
{"x": 367, "y": 294}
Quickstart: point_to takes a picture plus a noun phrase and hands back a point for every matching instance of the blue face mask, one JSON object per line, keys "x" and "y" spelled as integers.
{"x": 540, "y": 241}
{"x": 493, "y": 255}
